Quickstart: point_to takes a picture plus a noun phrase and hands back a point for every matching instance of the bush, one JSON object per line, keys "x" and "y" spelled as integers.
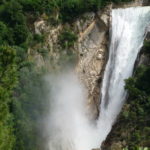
{"x": 8, "y": 81}
{"x": 11, "y": 13}
{"x": 27, "y": 108}
{"x": 3, "y": 33}
{"x": 67, "y": 39}
{"x": 146, "y": 48}
{"x": 38, "y": 38}
{"x": 20, "y": 34}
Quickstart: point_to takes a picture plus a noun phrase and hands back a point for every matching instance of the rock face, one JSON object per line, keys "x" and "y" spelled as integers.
{"x": 146, "y": 2}
{"x": 148, "y": 33}
{"x": 144, "y": 59}
{"x": 92, "y": 48}
{"x": 46, "y": 54}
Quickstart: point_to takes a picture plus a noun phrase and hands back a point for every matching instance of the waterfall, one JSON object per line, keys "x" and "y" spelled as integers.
{"x": 127, "y": 36}
{"x": 67, "y": 126}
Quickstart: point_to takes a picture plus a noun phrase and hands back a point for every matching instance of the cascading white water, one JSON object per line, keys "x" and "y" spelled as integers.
{"x": 67, "y": 126}
{"x": 128, "y": 30}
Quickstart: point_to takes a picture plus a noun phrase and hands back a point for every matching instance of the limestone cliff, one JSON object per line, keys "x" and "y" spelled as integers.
{"x": 92, "y": 30}
{"x": 92, "y": 46}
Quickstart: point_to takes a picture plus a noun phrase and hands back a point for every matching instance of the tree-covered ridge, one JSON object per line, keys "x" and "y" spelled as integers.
{"x": 137, "y": 109}
{"x": 17, "y": 16}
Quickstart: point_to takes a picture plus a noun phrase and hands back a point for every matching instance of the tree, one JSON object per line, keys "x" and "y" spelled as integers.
{"x": 8, "y": 80}
{"x": 20, "y": 34}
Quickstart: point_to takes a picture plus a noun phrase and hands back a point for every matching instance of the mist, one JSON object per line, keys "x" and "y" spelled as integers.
{"x": 67, "y": 124}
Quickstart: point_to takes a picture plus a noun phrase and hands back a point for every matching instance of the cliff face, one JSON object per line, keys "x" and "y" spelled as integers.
{"x": 90, "y": 49}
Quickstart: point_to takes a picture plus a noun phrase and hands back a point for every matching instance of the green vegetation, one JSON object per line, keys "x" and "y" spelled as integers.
{"x": 16, "y": 15}
{"x": 21, "y": 91}
{"x": 8, "y": 80}
{"x": 28, "y": 109}
{"x": 146, "y": 48}
{"x": 137, "y": 113}
{"x": 38, "y": 38}
{"x": 67, "y": 39}
{"x": 139, "y": 148}
{"x": 21, "y": 88}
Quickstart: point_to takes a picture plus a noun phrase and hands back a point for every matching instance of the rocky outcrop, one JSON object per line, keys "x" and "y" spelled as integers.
{"x": 92, "y": 48}
{"x": 143, "y": 58}
{"x": 146, "y": 3}
{"x": 46, "y": 54}
{"x": 134, "y": 3}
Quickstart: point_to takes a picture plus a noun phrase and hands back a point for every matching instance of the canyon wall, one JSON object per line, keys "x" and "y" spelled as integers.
{"x": 90, "y": 49}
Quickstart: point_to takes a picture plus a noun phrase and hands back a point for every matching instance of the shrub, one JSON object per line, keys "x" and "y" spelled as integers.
{"x": 12, "y": 14}
{"x": 67, "y": 39}
{"x": 3, "y": 33}
{"x": 146, "y": 48}
{"x": 43, "y": 51}
{"x": 20, "y": 34}
{"x": 8, "y": 80}
{"x": 39, "y": 38}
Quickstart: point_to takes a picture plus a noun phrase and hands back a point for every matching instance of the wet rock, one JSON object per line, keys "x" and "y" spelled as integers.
{"x": 148, "y": 33}
{"x": 146, "y": 3}
{"x": 92, "y": 44}
{"x": 144, "y": 60}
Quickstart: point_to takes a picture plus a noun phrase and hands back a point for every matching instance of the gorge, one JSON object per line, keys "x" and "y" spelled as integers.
{"x": 73, "y": 130}
{"x": 74, "y": 74}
